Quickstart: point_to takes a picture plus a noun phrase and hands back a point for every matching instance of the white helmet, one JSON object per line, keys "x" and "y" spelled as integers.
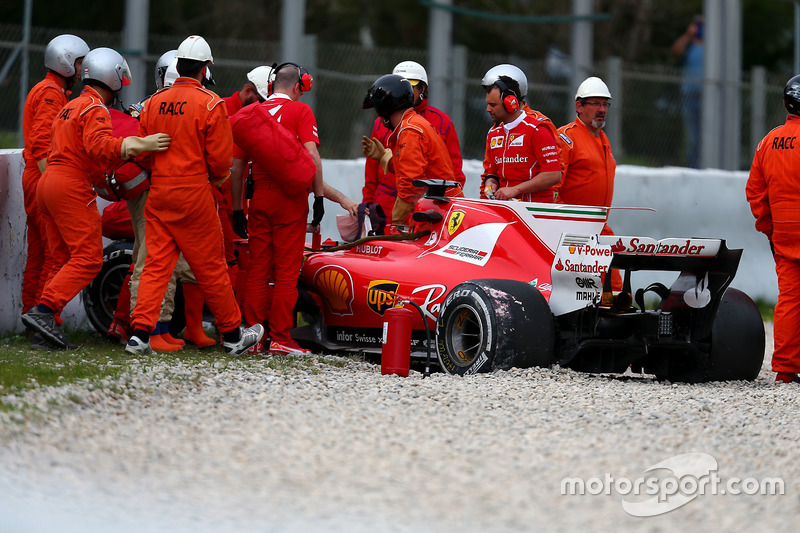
{"x": 494, "y": 73}
{"x": 592, "y": 87}
{"x": 161, "y": 67}
{"x": 171, "y": 74}
{"x": 194, "y": 47}
{"x": 62, "y": 52}
{"x": 412, "y": 71}
{"x": 108, "y": 67}
{"x": 259, "y": 77}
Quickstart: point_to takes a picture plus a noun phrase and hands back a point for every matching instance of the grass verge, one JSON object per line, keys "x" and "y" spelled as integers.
{"x": 23, "y": 368}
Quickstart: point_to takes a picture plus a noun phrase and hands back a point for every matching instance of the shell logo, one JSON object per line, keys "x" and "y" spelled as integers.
{"x": 572, "y": 249}
{"x": 336, "y": 287}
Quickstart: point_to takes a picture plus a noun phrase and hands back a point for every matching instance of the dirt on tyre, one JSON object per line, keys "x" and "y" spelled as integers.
{"x": 494, "y": 324}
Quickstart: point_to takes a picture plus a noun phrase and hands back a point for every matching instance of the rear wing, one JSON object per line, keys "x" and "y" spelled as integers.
{"x": 705, "y": 266}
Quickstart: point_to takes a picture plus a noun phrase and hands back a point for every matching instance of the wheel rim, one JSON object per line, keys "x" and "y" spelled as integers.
{"x": 465, "y": 335}
{"x": 110, "y": 286}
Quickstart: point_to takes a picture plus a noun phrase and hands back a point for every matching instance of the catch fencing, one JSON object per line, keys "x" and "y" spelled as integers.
{"x": 645, "y": 123}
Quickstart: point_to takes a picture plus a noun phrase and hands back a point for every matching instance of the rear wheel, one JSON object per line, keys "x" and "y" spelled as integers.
{"x": 101, "y": 295}
{"x": 494, "y": 325}
{"x": 737, "y": 339}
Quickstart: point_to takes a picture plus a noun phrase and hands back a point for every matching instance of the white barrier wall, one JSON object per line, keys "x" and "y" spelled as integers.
{"x": 689, "y": 203}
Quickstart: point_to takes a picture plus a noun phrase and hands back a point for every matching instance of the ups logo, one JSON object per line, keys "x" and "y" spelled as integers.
{"x": 381, "y": 294}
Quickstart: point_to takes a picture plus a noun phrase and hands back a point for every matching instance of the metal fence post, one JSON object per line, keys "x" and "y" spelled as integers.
{"x": 292, "y": 29}
{"x": 712, "y": 102}
{"x": 134, "y": 48}
{"x": 581, "y": 52}
{"x": 24, "y": 71}
{"x": 758, "y": 106}
{"x": 308, "y": 58}
{"x": 440, "y": 45}
{"x": 613, "y": 128}
{"x": 732, "y": 122}
{"x": 459, "y": 87}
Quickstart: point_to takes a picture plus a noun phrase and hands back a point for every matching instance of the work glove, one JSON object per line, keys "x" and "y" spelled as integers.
{"x": 318, "y": 209}
{"x": 217, "y": 182}
{"x": 374, "y": 149}
{"x": 401, "y": 211}
{"x": 133, "y": 146}
{"x": 240, "y": 223}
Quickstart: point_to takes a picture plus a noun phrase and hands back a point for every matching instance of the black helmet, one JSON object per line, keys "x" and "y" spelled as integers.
{"x": 388, "y": 94}
{"x": 791, "y": 96}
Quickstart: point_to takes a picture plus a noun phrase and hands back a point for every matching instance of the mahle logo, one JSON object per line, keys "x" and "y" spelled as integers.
{"x": 381, "y": 295}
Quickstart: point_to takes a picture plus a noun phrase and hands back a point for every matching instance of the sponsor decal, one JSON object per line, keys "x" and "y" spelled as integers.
{"x": 432, "y": 238}
{"x": 369, "y": 249}
{"x": 479, "y": 362}
{"x": 335, "y": 285}
{"x": 542, "y": 287}
{"x": 565, "y": 139}
{"x": 433, "y": 293}
{"x": 515, "y": 159}
{"x": 455, "y": 220}
{"x": 361, "y": 336}
{"x": 589, "y": 250}
{"x": 700, "y": 295}
{"x": 578, "y": 266}
{"x": 678, "y": 247}
{"x": 463, "y": 251}
{"x": 570, "y": 266}
{"x": 588, "y": 296}
{"x": 381, "y": 295}
{"x": 473, "y": 245}
{"x": 516, "y": 141}
{"x": 496, "y": 142}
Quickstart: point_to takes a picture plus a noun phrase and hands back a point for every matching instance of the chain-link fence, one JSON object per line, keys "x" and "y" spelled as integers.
{"x": 649, "y": 127}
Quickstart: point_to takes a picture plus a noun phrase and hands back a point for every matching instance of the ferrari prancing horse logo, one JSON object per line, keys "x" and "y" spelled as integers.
{"x": 456, "y": 218}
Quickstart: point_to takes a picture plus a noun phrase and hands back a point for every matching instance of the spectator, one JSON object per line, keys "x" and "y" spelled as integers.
{"x": 689, "y": 47}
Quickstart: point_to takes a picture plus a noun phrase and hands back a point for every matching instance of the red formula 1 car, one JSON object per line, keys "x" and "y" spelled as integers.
{"x": 516, "y": 284}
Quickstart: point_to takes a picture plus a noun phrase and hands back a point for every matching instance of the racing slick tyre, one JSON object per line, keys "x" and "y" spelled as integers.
{"x": 737, "y": 339}
{"x": 101, "y": 295}
{"x": 494, "y": 324}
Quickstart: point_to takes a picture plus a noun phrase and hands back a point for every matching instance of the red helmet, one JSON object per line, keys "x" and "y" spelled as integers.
{"x": 126, "y": 182}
